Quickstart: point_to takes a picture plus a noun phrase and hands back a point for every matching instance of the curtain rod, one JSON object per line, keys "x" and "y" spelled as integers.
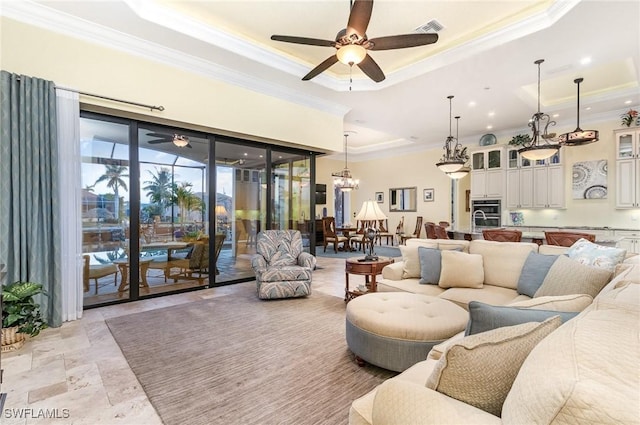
{"x": 128, "y": 102}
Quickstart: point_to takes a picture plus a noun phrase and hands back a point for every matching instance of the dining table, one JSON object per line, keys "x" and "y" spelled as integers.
{"x": 346, "y": 230}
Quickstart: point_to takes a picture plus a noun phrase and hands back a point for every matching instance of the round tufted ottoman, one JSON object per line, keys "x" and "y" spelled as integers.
{"x": 396, "y": 330}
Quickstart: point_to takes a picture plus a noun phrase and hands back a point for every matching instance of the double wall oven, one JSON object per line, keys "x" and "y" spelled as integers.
{"x": 486, "y": 213}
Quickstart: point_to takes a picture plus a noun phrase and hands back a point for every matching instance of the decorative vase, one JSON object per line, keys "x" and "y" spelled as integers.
{"x": 12, "y": 339}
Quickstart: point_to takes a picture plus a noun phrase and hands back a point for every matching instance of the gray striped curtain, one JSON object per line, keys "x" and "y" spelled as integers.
{"x": 29, "y": 213}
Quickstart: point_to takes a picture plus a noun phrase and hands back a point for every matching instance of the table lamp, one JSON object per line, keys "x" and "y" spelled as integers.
{"x": 372, "y": 213}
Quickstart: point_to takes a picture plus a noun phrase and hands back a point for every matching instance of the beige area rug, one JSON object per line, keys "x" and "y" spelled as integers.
{"x": 238, "y": 360}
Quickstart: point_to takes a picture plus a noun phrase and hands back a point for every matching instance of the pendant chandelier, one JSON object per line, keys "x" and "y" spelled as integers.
{"x": 465, "y": 169}
{"x": 343, "y": 179}
{"x": 454, "y": 157}
{"x": 539, "y": 146}
{"x": 579, "y": 137}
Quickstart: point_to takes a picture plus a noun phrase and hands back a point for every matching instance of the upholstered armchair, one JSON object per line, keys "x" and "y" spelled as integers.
{"x": 282, "y": 268}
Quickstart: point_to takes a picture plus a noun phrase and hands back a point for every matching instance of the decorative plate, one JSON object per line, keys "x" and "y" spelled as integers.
{"x": 488, "y": 139}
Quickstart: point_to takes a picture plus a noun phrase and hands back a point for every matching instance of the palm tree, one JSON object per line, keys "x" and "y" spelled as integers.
{"x": 187, "y": 201}
{"x": 160, "y": 188}
{"x": 113, "y": 176}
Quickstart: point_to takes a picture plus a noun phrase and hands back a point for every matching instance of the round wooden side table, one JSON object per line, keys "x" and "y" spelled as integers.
{"x": 368, "y": 269}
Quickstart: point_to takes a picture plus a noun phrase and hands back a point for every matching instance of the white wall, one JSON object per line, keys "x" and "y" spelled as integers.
{"x": 193, "y": 100}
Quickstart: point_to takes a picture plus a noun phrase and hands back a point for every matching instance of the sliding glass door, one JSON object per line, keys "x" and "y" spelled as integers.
{"x": 151, "y": 225}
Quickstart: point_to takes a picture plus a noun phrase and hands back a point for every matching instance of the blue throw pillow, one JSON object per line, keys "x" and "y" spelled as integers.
{"x": 534, "y": 271}
{"x": 484, "y": 317}
{"x": 430, "y": 265}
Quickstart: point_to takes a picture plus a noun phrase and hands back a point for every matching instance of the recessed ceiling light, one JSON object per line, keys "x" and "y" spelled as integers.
{"x": 245, "y": 154}
{"x": 260, "y": 156}
{"x": 588, "y": 108}
{"x": 556, "y": 115}
{"x": 585, "y": 61}
{"x": 491, "y": 113}
{"x": 280, "y": 157}
{"x": 489, "y": 127}
{"x": 472, "y": 104}
{"x": 627, "y": 102}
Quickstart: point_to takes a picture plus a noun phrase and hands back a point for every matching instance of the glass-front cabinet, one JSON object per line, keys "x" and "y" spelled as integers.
{"x": 627, "y": 168}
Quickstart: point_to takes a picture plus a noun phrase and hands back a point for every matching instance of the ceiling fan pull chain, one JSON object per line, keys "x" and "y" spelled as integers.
{"x": 350, "y": 76}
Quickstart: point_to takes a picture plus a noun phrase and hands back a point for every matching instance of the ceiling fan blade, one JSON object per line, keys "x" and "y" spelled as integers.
{"x": 402, "y": 41}
{"x": 371, "y": 68}
{"x": 322, "y": 67}
{"x": 156, "y": 141}
{"x": 359, "y": 17}
{"x": 304, "y": 40}
{"x": 159, "y": 135}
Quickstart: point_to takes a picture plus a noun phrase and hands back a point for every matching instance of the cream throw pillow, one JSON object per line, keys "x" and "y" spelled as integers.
{"x": 567, "y": 276}
{"x": 480, "y": 369}
{"x": 461, "y": 270}
{"x": 410, "y": 258}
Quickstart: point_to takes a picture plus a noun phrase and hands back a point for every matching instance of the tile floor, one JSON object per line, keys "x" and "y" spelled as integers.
{"x": 78, "y": 373}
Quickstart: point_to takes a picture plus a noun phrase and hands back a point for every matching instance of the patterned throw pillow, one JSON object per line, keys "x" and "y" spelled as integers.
{"x": 480, "y": 369}
{"x": 592, "y": 254}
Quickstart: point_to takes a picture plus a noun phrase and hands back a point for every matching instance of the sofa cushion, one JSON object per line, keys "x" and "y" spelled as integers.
{"x": 410, "y": 259}
{"x": 584, "y": 372}
{"x": 503, "y": 261}
{"x": 408, "y": 285}
{"x": 484, "y": 317}
{"x": 495, "y": 295}
{"x": 461, "y": 270}
{"x": 429, "y": 265}
{"x": 534, "y": 271}
{"x": 480, "y": 369}
{"x": 573, "y": 302}
{"x": 285, "y": 273}
{"x": 454, "y": 244}
{"x": 567, "y": 276}
{"x": 595, "y": 255}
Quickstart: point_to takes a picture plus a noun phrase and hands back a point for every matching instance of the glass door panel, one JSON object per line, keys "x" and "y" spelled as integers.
{"x": 239, "y": 207}
{"x": 105, "y": 207}
{"x": 173, "y": 240}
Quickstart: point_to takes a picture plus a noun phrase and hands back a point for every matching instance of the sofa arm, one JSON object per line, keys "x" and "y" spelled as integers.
{"x": 399, "y": 402}
{"x": 258, "y": 263}
{"x": 307, "y": 260}
{"x": 393, "y": 271}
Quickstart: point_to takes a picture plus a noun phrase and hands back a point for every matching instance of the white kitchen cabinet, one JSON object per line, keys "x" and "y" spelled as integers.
{"x": 627, "y": 168}
{"x": 487, "y": 173}
{"x": 534, "y": 184}
{"x": 630, "y": 240}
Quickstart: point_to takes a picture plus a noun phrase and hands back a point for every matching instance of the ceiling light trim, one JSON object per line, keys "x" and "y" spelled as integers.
{"x": 52, "y": 20}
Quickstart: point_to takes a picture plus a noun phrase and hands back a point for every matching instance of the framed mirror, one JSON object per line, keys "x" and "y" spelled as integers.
{"x": 403, "y": 199}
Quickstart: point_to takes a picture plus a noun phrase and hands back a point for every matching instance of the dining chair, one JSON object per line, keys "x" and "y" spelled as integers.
{"x": 430, "y": 229}
{"x": 441, "y": 232}
{"x": 502, "y": 235}
{"x": 329, "y": 234}
{"x": 359, "y": 240}
{"x": 567, "y": 238}
{"x": 383, "y": 232}
{"x": 416, "y": 233}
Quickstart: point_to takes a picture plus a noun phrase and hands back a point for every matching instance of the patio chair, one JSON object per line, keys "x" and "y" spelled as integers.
{"x": 282, "y": 268}
{"x": 96, "y": 272}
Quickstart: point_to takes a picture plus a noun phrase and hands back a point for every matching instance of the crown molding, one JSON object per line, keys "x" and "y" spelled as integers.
{"x": 43, "y": 17}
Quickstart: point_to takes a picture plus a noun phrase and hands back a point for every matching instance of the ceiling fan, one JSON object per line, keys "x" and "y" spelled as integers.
{"x": 177, "y": 139}
{"x": 352, "y": 43}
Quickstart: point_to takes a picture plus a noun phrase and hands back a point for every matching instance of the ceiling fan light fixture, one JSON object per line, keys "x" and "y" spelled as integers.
{"x": 579, "y": 137}
{"x": 351, "y": 54}
{"x": 180, "y": 141}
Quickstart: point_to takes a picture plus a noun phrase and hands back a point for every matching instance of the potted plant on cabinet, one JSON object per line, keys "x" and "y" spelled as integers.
{"x": 21, "y": 316}
{"x": 520, "y": 140}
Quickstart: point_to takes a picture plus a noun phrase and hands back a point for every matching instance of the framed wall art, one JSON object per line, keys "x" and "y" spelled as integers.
{"x": 428, "y": 195}
{"x": 379, "y": 197}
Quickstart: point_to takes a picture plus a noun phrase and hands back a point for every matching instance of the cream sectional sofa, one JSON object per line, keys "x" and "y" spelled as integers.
{"x": 585, "y": 371}
{"x": 502, "y": 264}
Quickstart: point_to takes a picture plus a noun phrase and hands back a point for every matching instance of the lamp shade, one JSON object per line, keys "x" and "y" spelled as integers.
{"x": 464, "y": 171}
{"x": 538, "y": 152}
{"x": 370, "y": 211}
{"x": 351, "y": 54}
{"x": 450, "y": 166}
{"x": 221, "y": 210}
